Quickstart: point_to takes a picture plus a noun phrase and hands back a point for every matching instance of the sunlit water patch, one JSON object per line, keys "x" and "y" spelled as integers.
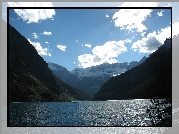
{"x": 87, "y": 113}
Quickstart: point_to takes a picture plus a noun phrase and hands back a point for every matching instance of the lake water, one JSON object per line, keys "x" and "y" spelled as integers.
{"x": 87, "y": 113}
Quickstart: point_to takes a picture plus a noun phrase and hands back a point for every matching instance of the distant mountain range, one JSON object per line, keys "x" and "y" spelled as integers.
{"x": 92, "y": 78}
{"x": 30, "y": 79}
{"x": 152, "y": 78}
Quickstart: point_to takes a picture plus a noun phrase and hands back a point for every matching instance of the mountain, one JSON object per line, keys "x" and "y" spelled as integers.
{"x": 92, "y": 78}
{"x": 150, "y": 79}
{"x": 30, "y": 79}
{"x": 64, "y": 74}
{"x": 106, "y": 69}
{"x": 86, "y": 84}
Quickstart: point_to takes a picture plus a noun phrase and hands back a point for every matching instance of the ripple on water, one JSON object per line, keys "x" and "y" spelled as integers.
{"x": 100, "y": 113}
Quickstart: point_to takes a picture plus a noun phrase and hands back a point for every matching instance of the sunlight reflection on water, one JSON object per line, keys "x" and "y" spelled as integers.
{"x": 89, "y": 113}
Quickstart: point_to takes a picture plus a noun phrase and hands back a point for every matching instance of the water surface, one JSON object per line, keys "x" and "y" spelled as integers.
{"x": 87, "y": 113}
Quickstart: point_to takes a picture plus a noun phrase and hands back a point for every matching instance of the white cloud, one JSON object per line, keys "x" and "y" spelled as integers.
{"x": 35, "y": 35}
{"x": 76, "y": 40}
{"x": 88, "y": 45}
{"x": 128, "y": 40}
{"x": 38, "y": 47}
{"x": 103, "y": 54}
{"x": 163, "y": 34}
{"x": 142, "y": 34}
{"x": 46, "y": 42}
{"x": 153, "y": 40}
{"x": 61, "y": 47}
{"x": 130, "y": 19}
{"x": 160, "y": 13}
{"x": 148, "y": 44}
{"x": 33, "y": 15}
{"x": 107, "y": 16}
{"x": 47, "y": 33}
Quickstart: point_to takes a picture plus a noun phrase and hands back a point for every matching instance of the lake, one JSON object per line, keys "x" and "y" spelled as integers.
{"x": 87, "y": 113}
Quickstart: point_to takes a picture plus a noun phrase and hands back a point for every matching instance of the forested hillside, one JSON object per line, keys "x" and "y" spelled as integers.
{"x": 30, "y": 79}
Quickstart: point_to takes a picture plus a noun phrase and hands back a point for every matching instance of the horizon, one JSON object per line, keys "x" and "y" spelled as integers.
{"x": 80, "y": 38}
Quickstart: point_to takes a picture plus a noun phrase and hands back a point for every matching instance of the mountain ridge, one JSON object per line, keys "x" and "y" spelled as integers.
{"x": 142, "y": 77}
{"x": 90, "y": 79}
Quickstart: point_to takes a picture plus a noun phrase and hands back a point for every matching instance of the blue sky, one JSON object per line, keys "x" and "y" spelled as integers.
{"x": 85, "y": 37}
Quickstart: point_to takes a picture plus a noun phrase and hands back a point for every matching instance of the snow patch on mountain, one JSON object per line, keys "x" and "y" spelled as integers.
{"x": 92, "y": 78}
{"x": 100, "y": 70}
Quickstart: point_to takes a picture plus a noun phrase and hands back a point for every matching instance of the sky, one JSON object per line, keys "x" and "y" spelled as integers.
{"x": 76, "y": 38}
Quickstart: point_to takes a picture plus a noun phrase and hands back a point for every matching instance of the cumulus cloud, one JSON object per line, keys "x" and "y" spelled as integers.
{"x": 153, "y": 40}
{"x": 61, "y": 47}
{"x": 38, "y": 47}
{"x": 160, "y": 13}
{"x": 33, "y": 15}
{"x": 107, "y": 16}
{"x": 103, "y": 54}
{"x": 133, "y": 18}
{"x": 47, "y": 33}
{"x": 150, "y": 43}
{"x": 46, "y": 42}
{"x": 147, "y": 45}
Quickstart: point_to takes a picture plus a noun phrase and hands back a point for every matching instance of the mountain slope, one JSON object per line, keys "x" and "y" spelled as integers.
{"x": 65, "y": 75}
{"x": 88, "y": 84}
{"x": 92, "y": 78}
{"x": 30, "y": 79}
{"x": 149, "y": 79}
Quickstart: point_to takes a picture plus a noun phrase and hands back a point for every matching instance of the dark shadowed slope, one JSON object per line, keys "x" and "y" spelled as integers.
{"x": 150, "y": 79}
{"x": 30, "y": 79}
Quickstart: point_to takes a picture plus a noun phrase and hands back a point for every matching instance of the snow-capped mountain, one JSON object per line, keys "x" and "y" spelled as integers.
{"x": 99, "y": 71}
{"x": 92, "y": 78}
{"x": 106, "y": 69}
